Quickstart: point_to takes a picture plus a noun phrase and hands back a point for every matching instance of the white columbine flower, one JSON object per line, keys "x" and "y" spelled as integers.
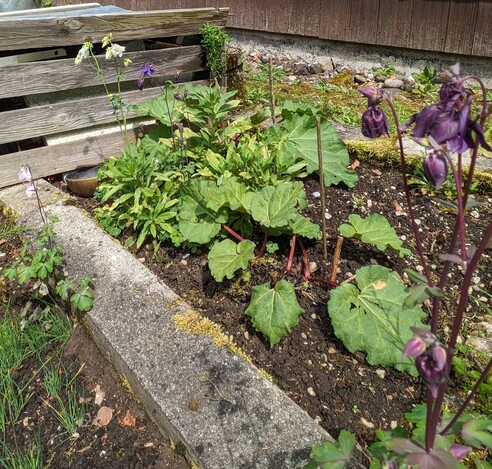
{"x": 84, "y": 53}
{"x": 115, "y": 50}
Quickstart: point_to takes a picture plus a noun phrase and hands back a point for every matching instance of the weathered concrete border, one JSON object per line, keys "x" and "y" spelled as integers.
{"x": 218, "y": 406}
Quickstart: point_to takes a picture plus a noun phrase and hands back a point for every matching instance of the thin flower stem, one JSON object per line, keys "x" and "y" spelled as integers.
{"x": 408, "y": 196}
{"x": 263, "y": 245}
{"x": 233, "y": 233}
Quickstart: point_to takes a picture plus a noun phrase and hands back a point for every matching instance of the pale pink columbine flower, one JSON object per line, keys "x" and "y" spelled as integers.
{"x": 26, "y": 176}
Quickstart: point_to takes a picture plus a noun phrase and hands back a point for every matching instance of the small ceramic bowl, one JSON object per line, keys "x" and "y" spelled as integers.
{"x": 82, "y": 182}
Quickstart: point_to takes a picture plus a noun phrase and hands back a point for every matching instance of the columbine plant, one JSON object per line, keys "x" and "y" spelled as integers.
{"x": 39, "y": 265}
{"x": 446, "y": 130}
{"x": 114, "y": 52}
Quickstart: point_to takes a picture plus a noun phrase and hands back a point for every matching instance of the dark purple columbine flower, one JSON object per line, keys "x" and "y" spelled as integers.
{"x": 140, "y": 83}
{"x": 432, "y": 366}
{"x": 436, "y": 168}
{"x": 374, "y": 122}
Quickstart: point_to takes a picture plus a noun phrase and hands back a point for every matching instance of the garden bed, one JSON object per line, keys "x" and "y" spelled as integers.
{"x": 338, "y": 389}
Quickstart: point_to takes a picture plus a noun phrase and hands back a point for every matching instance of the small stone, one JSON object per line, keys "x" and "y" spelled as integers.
{"x": 264, "y": 59}
{"x": 184, "y": 261}
{"x": 313, "y": 266}
{"x": 417, "y": 221}
{"x": 366, "y": 423}
{"x": 311, "y": 392}
{"x": 316, "y": 195}
{"x": 370, "y": 76}
{"x": 419, "y": 269}
{"x": 381, "y": 373}
{"x": 310, "y": 362}
{"x": 328, "y": 215}
{"x": 303, "y": 336}
{"x": 403, "y": 237}
{"x": 360, "y": 79}
{"x": 332, "y": 350}
{"x": 474, "y": 214}
{"x": 475, "y": 280}
{"x": 380, "y": 78}
{"x": 300, "y": 68}
{"x": 315, "y": 69}
{"x": 246, "y": 335}
{"x": 317, "y": 419}
{"x": 314, "y": 316}
{"x": 369, "y": 203}
{"x": 393, "y": 83}
{"x": 393, "y": 424}
{"x": 141, "y": 259}
{"x": 324, "y": 357}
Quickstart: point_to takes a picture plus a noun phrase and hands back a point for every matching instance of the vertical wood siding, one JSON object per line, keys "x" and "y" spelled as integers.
{"x": 453, "y": 26}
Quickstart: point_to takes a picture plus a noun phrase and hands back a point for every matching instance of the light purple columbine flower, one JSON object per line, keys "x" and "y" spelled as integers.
{"x": 374, "y": 121}
{"x": 435, "y": 168}
{"x": 145, "y": 72}
{"x": 26, "y": 176}
{"x": 459, "y": 451}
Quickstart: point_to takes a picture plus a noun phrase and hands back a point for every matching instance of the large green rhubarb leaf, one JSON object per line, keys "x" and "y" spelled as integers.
{"x": 274, "y": 311}
{"x": 226, "y": 257}
{"x": 197, "y": 222}
{"x": 370, "y": 317}
{"x": 374, "y": 229}
{"x": 237, "y": 194}
{"x": 298, "y": 136}
{"x": 275, "y": 206}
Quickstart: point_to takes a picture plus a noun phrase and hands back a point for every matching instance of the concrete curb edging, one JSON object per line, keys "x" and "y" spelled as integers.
{"x": 218, "y": 406}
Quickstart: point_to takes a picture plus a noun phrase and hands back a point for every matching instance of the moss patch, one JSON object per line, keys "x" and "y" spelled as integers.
{"x": 194, "y": 323}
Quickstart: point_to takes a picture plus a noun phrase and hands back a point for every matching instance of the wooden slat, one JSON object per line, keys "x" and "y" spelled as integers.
{"x": 336, "y": 20}
{"x": 65, "y": 116}
{"x": 28, "y": 33}
{"x": 461, "y": 27}
{"x": 429, "y": 25}
{"x": 294, "y": 17}
{"x": 55, "y": 159}
{"x": 363, "y": 21}
{"x": 394, "y": 23}
{"x": 57, "y": 75}
{"x": 482, "y": 41}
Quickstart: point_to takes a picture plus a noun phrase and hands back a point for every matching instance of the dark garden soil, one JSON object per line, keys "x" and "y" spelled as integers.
{"x": 129, "y": 441}
{"x": 338, "y": 389}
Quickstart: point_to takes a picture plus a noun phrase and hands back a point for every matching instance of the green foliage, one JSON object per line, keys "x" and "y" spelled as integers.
{"x": 335, "y": 455}
{"x": 274, "y": 311}
{"x": 375, "y": 230}
{"x": 263, "y": 74}
{"x": 426, "y": 77}
{"x": 386, "y": 71}
{"x": 370, "y": 317}
{"x": 226, "y": 257}
{"x": 215, "y": 41}
{"x": 39, "y": 267}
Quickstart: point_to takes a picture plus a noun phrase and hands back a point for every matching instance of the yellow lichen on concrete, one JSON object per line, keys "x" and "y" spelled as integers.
{"x": 194, "y": 323}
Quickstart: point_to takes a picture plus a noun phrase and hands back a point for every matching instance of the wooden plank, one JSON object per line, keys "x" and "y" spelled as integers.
{"x": 394, "y": 25}
{"x": 50, "y": 119}
{"x": 336, "y": 20}
{"x": 429, "y": 24}
{"x": 293, "y": 17}
{"x": 55, "y": 159}
{"x": 482, "y": 40}
{"x": 363, "y": 26}
{"x": 57, "y": 75}
{"x": 461, "y": 27}
{"x": 29, "y": 33}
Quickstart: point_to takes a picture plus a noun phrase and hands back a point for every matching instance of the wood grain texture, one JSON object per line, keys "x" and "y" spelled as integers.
{"x": 60, "y": 158}
{"x": 51, "y": 119}
{"x": 461, "y": 27}
{"x": 429, "y": 25}
{"x": 363, "y": 26}
{"x": 336, "y": 20}
{"x": 58, "y": 75}
{"x": 29, "y": 33}
{"x": 482, "y": 40}
{"x": 293, "y": 17}
{"x": 394, "y": 22}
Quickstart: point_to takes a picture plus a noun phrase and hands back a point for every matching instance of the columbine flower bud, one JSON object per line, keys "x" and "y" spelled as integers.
{"x": 374, "y": 123}
{"x": 432, "y": 368}
{"x": 436, "y": 168}
{"x": 415, "y": 347}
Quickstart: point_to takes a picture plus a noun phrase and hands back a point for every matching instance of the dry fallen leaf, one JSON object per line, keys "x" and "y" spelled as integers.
{"x": 103, "y": 417}
{"x": 355, "y": 164}
{"x": 99, "y": 395}
{"x": 398, "y": 207}
{"x": 377, "y": 172}
{"x": 129, "y": 420}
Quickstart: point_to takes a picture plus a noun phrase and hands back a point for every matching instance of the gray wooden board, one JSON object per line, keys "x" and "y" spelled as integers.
{"x": 29, "y": 33}
{"x": 58, "y": 75}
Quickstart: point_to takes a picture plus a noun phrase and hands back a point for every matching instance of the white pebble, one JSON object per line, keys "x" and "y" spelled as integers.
{"x": 328, "y": 216}
{"x": 474, "y": 214}
{"x": 311, "y": 392}
{"x": 369, "y": 203}
{"x": 381, "y": 373}
{"x": 317, "y": 194}
{"x": 303, "y": 336}
{"x": 403, "y": 237}
{"x": 366, "y": 423}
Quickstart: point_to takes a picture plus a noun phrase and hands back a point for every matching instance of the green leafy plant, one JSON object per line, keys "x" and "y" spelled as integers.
{"x": 278, "y": 73}
{"x": 374, "y": 229}
{"x": 386, "y": 71}
{"x": 336, "y": 455}
{"x": 215, "y": 41}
